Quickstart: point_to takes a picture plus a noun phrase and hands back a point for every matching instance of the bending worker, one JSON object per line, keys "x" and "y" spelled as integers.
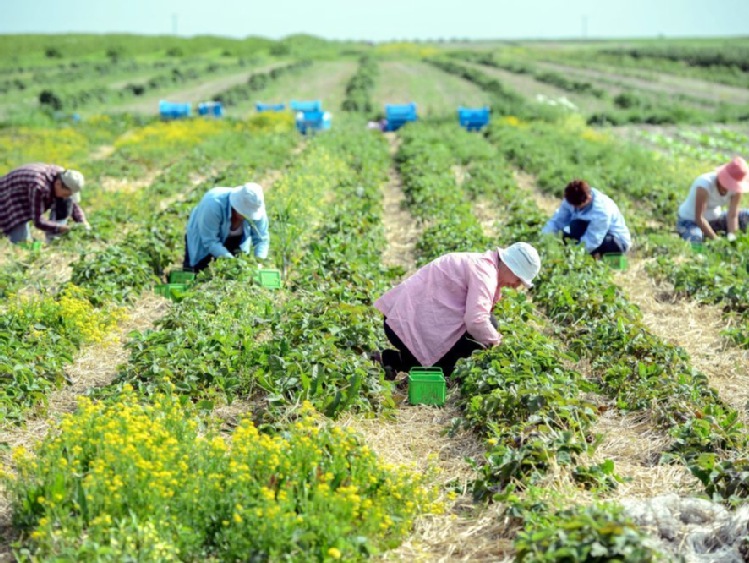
{"x": 28, "y": 192}
{"x": 443, "y": 311}
{"x": 703, "y": 214}
{"x": 225, "y": 223}
{"x": 588, "y": 216}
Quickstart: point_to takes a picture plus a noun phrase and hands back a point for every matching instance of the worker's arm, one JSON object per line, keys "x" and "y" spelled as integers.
{"x": 37, "y": 213}
{"x": 732, "y": 218}
{"x": 699, "y": 213}
{"x": 259, "y": 236}
{"x": 559, "y": 220}
{"x": 479, "y": 303}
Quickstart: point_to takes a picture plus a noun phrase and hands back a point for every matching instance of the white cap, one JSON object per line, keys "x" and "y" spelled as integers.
{"x": 73, "y": 180}
{"x": 523, "y": 261}
{"x": 248, "y": 200}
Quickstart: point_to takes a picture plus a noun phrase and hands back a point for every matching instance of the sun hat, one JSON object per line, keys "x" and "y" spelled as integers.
{"x": 734, "y": 176}
{"x": 522, "y": 260}
{"x": 73, "y": 180}
{"x": 248, "y": 200}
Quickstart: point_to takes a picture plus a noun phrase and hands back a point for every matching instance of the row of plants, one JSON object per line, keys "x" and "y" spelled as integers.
{"x": 156, "y": 481}
{"x": 637, "y": 370}
{"x": 360, "y": 86}
{"x": 257, "y": 82}
{"x": 104, "y": 279}
{"x": 519, "y": 396}
{"x": 296, "y": 489}
{"x": 230, "y": 338}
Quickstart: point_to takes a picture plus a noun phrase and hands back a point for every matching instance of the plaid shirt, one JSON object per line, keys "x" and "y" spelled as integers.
{"x": 26, "y": 193}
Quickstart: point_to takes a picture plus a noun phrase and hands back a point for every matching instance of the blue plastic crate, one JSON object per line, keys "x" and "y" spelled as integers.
{"x": 211, "y": 109}
{"x": 260, "y": 106}
{"x": 171, "y": 110}
{"x": 312, "y": 121}
{"x": 306, "y": 105}
{"x": 473, "y": 119}
{"x": 397, "y": 115}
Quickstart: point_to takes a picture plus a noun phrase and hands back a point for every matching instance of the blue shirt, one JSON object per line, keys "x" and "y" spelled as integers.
{"x": 603, "y": 218}
{"x": 210, "y": 224}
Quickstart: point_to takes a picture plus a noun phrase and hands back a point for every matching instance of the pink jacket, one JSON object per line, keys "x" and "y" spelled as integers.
{"x": 453, "y": 294}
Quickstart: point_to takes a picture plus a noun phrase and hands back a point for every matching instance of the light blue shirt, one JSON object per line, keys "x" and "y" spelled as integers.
{"x": 209, "y": 226}
{"x": 603, "y": 217}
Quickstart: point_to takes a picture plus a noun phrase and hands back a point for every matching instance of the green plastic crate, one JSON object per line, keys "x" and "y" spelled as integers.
{"x": 426, "y": 386}
{"x": 616, "y": 261}
{"x": 173, "y": 291}
{"x": 698, "y": 247}
{"x": 181, "y": 276}
{"x": 268, "y": 278}
{"x": 33, "y": 246}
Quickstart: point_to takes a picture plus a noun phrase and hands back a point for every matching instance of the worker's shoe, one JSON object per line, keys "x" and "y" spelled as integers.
{"x": 376, "y": 357}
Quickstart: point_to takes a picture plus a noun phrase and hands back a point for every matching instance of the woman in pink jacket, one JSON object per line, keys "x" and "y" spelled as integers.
{"x": 443, "y": 311}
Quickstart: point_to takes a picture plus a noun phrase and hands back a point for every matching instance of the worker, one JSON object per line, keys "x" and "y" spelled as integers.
{"x": 224, "y": 223}
{"x": 590, "y": 217}
{"x": 29, "y": 191}
{"x": 702, "y": 214}
{"x": 443, "y": 311}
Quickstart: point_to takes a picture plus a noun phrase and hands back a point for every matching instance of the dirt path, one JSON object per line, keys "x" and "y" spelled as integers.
{"x": 632, "y": 441}
{"x": 417, "y": 437}
{"x": 694, "y": 327}
{"x": 401, "y": 228}
{"x": 668, "y": 84}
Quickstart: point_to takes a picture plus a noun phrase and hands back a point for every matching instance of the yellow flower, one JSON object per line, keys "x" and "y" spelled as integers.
{"x": 334, "y": 552}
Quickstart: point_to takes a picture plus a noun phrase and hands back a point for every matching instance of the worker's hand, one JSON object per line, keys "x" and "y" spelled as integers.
{"x": 63, "y": 229}
{"x": 86, "y": 226}
{"x": 731, "y": 237}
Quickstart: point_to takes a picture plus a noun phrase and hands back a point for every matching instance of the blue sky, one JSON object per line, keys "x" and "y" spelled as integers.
{"x": 383, "y": 19}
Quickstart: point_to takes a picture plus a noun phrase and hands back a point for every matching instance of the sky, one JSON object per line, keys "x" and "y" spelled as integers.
{"x": 383, "y": 20}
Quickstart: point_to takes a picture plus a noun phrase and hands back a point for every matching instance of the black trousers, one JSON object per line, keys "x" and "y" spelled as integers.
{"x": 402, "y": 359}
{"x": 609, "y": 245}
{"x": 231, "y": 244}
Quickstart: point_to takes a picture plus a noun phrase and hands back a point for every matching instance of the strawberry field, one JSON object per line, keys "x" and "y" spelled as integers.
{"x": 242, "y": 423}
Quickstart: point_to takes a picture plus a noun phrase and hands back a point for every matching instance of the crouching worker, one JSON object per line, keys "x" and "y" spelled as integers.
{"x": 588, "y": 216}
{"x": 703, "y": 214}
{"x": 443, "y": 311}
{"x": 29, "y": 191}
{"x": 225, "y": 223}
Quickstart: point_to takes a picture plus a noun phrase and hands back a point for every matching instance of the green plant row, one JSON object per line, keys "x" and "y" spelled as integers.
{"x": 154, "y": 482}
{"x": 257, "y": 82}
{"x": 360, "y": 86}
{"x": 520, "y": 396}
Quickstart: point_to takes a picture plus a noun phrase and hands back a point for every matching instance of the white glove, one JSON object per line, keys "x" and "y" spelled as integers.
{"x": 731, "y": 237}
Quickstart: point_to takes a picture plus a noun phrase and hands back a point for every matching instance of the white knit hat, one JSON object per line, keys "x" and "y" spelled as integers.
{"x": 523, "y": 261}
{"x": 248, "y": 200}
{"x": 73, "y": 180}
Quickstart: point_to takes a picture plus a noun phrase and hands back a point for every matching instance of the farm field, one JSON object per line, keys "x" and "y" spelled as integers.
{"x": 240, "y": 422}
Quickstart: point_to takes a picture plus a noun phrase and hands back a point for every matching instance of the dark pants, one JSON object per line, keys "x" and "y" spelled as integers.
{"x": 231, "y": 244}
{"x": 609, "y": 245}
{"x": 402, "y": 359}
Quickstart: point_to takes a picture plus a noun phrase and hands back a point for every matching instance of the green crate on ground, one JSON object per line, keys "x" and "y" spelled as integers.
{"x": 698, "y": 247}
{"x": 426, "y": 386}
{"x": 33, "y": 246}
{"x": 616, "y": 261}
{"x": 268, "y": 278}
{"x": 172, "y": 291}
{"x": 181, "y": 276}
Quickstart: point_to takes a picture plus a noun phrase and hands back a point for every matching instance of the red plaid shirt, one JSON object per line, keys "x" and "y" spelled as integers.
{"x": 26, "y": 193}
